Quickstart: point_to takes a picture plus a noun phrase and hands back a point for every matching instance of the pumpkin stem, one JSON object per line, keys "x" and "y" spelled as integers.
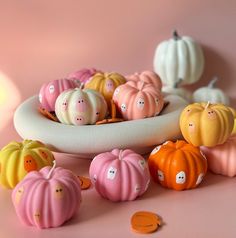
{"x": 213, "y": 82}
{"x": 176, "y": 84}
{"x": 142, "y": 85}
{"x": 176, "y": 35}
{"x": 120, "y": 157}
{"x": 208, "y": 103}
{"x": 51, "y": 170}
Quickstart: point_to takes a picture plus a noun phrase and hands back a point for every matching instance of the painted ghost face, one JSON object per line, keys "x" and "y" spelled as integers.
{"x": 65, "y": 105}
{"x": 211, "y": 115}
{"x": 59, "y": 191}
{"x": 180, "y": 177}
{"x": 116, "y": 92}
{"x": 81, "y": 105}
{"x": 137, "y": 188}
{"x": 160, "y": 175}
{"x": 19, "y": 194}
{"x": 147, "y": 185}
{"x": 200, "y": 178}
{"x": 156, "y": 150}
{"x": 111, "y": 173}
{"x": 79, "y": 120}
{"x": 51, "y": 88}
{"x": 109, "y": 86}
{"x": 140, "y": 103}
{"x": 30, "y": 163}
{"x": 37, "y": 216}
{"x": 142, "y": 164}
{"x": 94, "y": 178}
{"x": 191, "y": 127}
{"x": 123, "y": 107}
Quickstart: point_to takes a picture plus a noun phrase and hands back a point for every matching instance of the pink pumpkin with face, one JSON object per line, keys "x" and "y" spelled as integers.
{"x": 47, "y": 198}
{"x": 138, "y": 100}
{"x": 83, "y": 75}
{"x": 50, "y": 91}
{"x": 221, "y": 158}
{"x": 119, "y": 175}
{"x": 146, "y": 76}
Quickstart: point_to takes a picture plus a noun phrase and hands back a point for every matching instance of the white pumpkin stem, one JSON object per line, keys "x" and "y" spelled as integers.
{"x": 176, "y": 85}
{"x": 176, "y": 35}
{"x": 51, "y": 170}
{"x": 120, "y": 157}
{"x": 208, "y": 103}
{"x": 213, "y": 82}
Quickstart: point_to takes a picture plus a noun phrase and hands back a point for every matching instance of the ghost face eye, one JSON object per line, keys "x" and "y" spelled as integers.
{"x": 111, "y": 173}
{"x": 51, "y": 89}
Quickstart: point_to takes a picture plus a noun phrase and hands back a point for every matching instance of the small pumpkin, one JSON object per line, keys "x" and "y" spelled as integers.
{"x": 83, "y": 75}
{"x": 105, "y": 83}
{"x": 146, "y": 76}
{"x": 50, "y": 91}
{"x": 177, "y": 165}
{"x": 179, "y": 58}
{"x": 211, "y": 94}
{"x": 80, "y": 107}
{"x": 206, "y": 124}
{"x": 119, "y": 175}
{"x": 138, "y": 100}
{"x": 47, "y": 198}
{"x": 18, "y": 159}
{"x": 221, "y": 158}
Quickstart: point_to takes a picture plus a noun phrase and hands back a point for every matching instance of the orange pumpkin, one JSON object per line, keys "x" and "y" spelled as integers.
{"x": 206, "y": 124}
{"x": 177, "y": 165}
{"x": 105, "y": 83}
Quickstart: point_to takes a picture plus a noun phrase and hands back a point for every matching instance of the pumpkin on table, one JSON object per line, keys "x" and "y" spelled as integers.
{"x": 18, "y": 159}
{"x": 177, "y": 165}
{"x": 80, "y": 107}
{"x": 206, "y": 124}
{"x": 221, "y": 158}
{"x": 179, "y": 58}
{"x": 138, "y": 100}
{"x": 47, "y": 198}
{"x": 119, "y": 175}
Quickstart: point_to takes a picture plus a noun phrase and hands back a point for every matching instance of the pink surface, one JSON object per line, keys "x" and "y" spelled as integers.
{"x": 44, "y": 40}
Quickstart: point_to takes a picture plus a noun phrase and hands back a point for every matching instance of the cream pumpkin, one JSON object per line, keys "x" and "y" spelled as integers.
{"x": 105, "y": 83}
{"x": 138, "y": 100}
{"x": 80, "y": 107}
{"x": 179, "y": 58}
{"x": 206, "y": 124}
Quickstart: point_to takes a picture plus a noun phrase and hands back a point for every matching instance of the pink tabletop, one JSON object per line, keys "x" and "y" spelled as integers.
{"x": 207, "y": 211}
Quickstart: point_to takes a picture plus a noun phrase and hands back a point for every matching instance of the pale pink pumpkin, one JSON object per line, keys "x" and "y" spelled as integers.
{"x": 222, "y": 158}
{"x": 83, "y": 75}
{"x": 146, "y": 76}
{"x": 47, "y": 198}
{"x": 119, "y": 175}
{"x": 50, "y": 91}
{"x": 138, "y": 100}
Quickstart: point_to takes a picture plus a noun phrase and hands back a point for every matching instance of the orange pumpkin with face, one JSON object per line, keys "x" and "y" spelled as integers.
{"x": 177, "y": 165}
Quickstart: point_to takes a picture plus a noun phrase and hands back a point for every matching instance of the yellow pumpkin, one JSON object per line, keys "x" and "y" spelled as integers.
{"x": 18, "y": 159}
{"x": 105, "y": 83}
{"x": 234, "y": 129}
{"x": 206, "y": 124}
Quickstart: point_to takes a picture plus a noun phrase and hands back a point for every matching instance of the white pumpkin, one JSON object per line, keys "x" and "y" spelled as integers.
{"x": 80, "y": 107}
{"x": 211, "y": 94}
{"x": 179, "y": 58}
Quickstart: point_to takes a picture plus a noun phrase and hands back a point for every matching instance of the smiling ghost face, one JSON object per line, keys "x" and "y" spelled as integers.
{"x": 111, "y": 173}
{"x": 181, "y": 177}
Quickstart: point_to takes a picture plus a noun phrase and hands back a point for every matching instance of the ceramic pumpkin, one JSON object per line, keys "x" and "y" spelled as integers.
{"x": 47, "y": 198}
{"x": 147, "y": 77}
{"x": 83, "y": 75}
{"x": 80, "y": 107}
{"x": 119, "y": 175}
{"x": 18, "y": 159}
{"x": 105, "y": 83}
{"x": 206, "y": 124}
{"x": 221, "y": 158}
{"x": 180, "y": 58}
{"x": 177, "y": 165}
{"x": 138, "y": 100}
{"x": 50, "y": 91}
{"x": 211, "y": 94}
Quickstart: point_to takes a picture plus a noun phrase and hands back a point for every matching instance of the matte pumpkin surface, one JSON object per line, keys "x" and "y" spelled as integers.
{"x": 18, "y": 159}
{"x": 177, "y": 165}
{"x": 206, "y": 124}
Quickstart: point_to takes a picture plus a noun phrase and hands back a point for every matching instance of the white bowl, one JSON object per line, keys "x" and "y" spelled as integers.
{"x": 86, "y": 141}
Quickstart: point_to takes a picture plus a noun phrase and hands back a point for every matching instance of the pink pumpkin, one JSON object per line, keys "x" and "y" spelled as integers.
{"x": 47, "y": 198}
{"x": 50, "y": 91}
{"x": 119, "y": 175}
{"x": 221, "y": 158}
{"x": 147, "y": 77}
{"x": 138, "y": 100}
{"x": 83, "y": 75}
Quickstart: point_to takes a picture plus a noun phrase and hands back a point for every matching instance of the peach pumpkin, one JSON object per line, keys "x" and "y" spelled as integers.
{"x": 206, "y": 124}
{"x": 221, "y": 158}
{"x": 138, "y": 100}
{"x": 177, "y": 165}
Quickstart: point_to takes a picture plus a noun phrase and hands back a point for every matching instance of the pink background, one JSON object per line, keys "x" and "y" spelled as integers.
{"x": 43, "y": 40}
